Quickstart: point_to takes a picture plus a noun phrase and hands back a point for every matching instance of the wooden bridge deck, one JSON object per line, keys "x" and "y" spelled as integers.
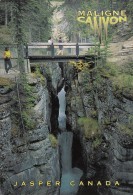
{"x": 63, "y": 58}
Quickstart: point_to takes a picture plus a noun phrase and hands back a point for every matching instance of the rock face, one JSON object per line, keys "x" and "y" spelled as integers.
{"x": 29, "y": 161}
{"x": 107, "y": 154}
{"x": 103, "y": 142}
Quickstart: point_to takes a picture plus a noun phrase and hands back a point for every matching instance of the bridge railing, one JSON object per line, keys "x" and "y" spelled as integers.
{"x": 46, "y": 49}
{"x": 41, "y": 50}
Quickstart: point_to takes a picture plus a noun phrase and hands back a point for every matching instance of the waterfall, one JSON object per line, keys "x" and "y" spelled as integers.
{"x": 70, "y": 176}
{"x": 62, "y": 109}
{"x": 65, "y": 140}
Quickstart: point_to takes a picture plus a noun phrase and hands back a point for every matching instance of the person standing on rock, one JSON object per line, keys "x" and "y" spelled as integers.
{"x": 7, "y": 59}
{"x": 60, "y": 52}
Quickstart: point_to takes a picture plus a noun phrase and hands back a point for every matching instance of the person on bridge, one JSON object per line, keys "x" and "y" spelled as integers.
{"x": 7, "y": 59}
{"x": 50, "y": 41}
{"x": 60, "y": 52}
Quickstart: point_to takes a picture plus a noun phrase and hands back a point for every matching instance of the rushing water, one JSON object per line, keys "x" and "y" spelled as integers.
{"x": 70, "y": 176}
{"x": 62, "y": 109}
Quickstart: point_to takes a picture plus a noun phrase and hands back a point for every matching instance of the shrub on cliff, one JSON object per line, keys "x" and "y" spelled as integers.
{"x": 90, "y": 127}
{"x": 53, "y": 140}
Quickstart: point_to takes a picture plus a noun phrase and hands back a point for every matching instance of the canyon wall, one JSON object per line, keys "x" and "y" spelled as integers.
{"x": 100, "y": 116}
{"x": 29, "y": 155}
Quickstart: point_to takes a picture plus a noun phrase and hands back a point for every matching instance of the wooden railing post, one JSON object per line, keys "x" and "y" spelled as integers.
{"x": 27, "y": 62}
{"x": 77, "y": 49}
{"x": 52, "y": 50}
{"x": 26, "y": 51}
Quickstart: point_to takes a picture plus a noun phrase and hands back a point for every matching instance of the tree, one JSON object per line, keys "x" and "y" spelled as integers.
{"x": 28, "y": 21}
{"x": 77, "y": 29}
{"x": 19, "y": 9}
{"x": 38, "y": 19}
{"x": 74, "y": 29}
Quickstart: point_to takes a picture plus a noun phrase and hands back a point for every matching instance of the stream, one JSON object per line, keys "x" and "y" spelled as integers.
{"x": 70, "y": 176}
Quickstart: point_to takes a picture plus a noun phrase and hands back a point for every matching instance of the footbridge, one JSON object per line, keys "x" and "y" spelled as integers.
{"x": 39, "y": 52}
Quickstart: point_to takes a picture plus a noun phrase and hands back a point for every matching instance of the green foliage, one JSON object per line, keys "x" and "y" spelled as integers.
{"x": 24, "y": 102}
{"x": 130, "y": 8}
{"x": 128, "y": 68}
{"x": 121, "y": 76}
{"x": 53, "y": 140}
{"x": 97, "y": 142}
{"x": 28, "y": 120}
{"x": 100, "y": 50}
{"x": 107, "y": 70}
{"x": 84, "y": 30}
{"x": 5, "y": 35}
{"x": 27, "y": 100}
{"x": 70, "y": 9}
{"x": 38, "y": 14}
{"x": 126, "y": 129}
{"x": 39, "y": 75}
{"x": 123, "y": 82}
{"x": 112, "y": 69}
{"x": 90, "y": 127}
{"x": 77, "y": 29}
{"x": 27, "y": 20}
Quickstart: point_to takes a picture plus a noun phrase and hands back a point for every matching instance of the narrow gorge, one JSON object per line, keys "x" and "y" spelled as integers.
{"x": 79, "y": 135}
{"x": 66, "y": 97}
